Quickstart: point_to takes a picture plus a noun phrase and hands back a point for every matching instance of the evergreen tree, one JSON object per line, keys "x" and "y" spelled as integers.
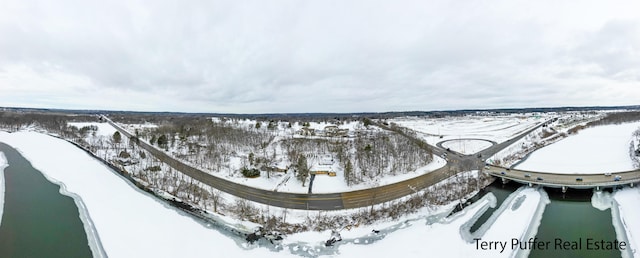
{"x": 303, "y": 169}
{"x": 117, "y": 138}
{"x": 348, "y": 169}
{"x": 162, "y": 141}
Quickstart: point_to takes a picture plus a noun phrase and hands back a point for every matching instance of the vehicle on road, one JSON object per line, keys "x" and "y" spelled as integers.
{"x": 617, "y": 178}
{"x": 579, "y": 179}
{"x": 607, "y": 174}
{"x": 527, "y": 175}
{"x": 539, "y": 178}
{"x": 503, "y": 173}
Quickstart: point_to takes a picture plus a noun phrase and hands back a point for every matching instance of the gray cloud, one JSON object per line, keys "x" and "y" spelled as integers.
{"x": 317, "y": 56}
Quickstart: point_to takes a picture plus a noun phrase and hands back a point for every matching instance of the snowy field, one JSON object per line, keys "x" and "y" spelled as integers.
{"x": 104, "y": 129}
{"x": 467, "y": 147}
{"x": 494, "y": 128}
{"x": 593, "y": 150}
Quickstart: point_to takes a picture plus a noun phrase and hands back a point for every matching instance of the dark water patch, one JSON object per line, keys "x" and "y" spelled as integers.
{"x": 577, "y": 195}
{"x": 501, "y": 191}
{"x": 574, "y": 221}
{"x": 37, "y": 220}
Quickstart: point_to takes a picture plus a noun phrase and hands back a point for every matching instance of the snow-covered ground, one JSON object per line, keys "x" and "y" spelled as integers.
{"x": 283, "y": 181}
{"x": 105, "y": 196}
{"x": 104, "y": 129}
{"x": 129, "y": 223}
{"x": 593, "y": 150}
{"x": 467, "y": 146}
{"x": 628, "y": 201}
{"x": 519, "y": 219}
{"x": 155, "y": 230}
{"x": 327, "y": 184}
{"x": 494, "y": 128}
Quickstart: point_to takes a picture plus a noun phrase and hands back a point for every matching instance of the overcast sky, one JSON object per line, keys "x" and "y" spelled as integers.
{"x": 318, "y": 56}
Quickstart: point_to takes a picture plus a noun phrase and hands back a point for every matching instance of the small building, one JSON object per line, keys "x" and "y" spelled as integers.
{"x": 333, "y": 131}
{"x": 323, "y": 166}
{"x": 306, "y": 131}
{"x": 330, "y": 129}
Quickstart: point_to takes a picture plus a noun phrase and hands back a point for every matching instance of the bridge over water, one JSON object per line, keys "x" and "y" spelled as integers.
{"x": 605, "y": 179}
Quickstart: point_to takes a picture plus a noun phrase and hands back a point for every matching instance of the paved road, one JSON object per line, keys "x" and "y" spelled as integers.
{"x": 332, "y": 201}
{"x": 568, "y": 180}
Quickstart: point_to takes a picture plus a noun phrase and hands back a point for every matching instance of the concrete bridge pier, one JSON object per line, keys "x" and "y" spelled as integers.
{"x": 504, "y": 180}
{"x": 631, "y": 184}
{"x": 564, "y": 189}
{"x": 530, "y": 184}
{"x": 597, "y": 188}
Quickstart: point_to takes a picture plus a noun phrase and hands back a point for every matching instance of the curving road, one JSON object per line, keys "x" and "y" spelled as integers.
{"x": 330, "y": 201}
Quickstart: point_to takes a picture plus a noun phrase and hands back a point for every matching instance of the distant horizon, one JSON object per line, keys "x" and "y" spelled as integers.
{"x": 552, "y": 109}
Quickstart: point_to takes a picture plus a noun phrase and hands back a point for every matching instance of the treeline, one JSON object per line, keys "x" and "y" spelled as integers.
{"x": 53, "y": 122}
{"x": 616, "y": 118}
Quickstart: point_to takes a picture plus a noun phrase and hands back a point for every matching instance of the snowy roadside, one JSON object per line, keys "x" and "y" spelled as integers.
{"x": 326, "y": 184}
{"x": 284, "y": 182}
